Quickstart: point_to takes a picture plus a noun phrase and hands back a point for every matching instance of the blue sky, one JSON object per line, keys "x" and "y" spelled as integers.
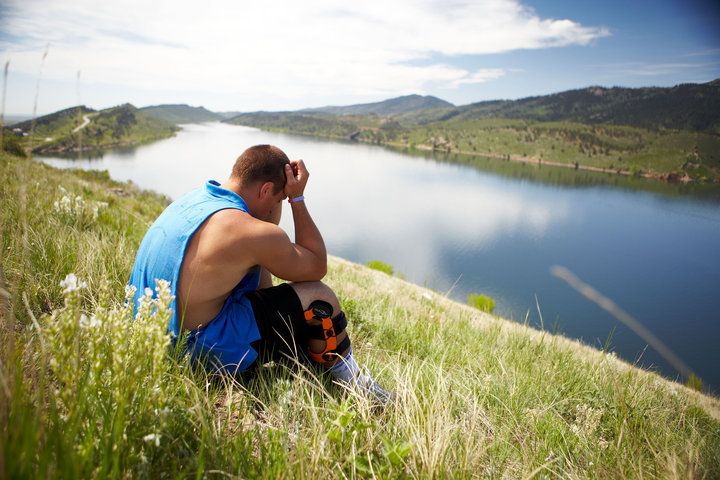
{"x": 283, "y": 55}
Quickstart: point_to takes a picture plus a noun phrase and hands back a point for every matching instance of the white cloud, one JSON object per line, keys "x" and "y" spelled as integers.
{"x": 479, "y": 76}
{"x": 368, "y": 48}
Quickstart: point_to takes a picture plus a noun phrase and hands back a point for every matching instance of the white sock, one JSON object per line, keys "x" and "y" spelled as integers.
{"x": 346, "y": 369}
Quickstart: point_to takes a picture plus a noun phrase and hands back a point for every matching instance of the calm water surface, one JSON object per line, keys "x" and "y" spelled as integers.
{"x": 460, "y": 230}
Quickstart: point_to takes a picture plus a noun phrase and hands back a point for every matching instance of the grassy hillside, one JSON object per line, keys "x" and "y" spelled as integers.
{"x": 630, "y": 150}
{"x": 79, "y": 128}
{"x": 88, "y": 393}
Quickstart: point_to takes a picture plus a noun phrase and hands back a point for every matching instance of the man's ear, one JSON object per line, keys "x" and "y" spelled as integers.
{"x": 266, "y": 189}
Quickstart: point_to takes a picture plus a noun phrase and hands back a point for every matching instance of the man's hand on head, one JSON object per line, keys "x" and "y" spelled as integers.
{"x": 297, "y": 177}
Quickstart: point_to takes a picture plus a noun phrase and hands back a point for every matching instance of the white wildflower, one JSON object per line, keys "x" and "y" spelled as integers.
{"x": 162, "y": 284}
{"x": 152, "y": 437}
{"x": 70, "y": 284}
{"x": 77, "y": 211}
{"x": 89, "y": 323}
{"x": 64, "y": 206}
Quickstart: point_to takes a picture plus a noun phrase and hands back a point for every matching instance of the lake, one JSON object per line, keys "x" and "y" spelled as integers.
{"x": 494, "y": 228}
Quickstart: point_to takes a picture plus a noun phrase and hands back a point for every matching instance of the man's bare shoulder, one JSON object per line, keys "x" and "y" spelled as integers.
{"x": 236, "y": 225}
{"x": 229, "y": 218}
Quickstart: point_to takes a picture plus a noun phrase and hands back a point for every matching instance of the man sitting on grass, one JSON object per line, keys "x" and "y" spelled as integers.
{"x": 218, "y": 246}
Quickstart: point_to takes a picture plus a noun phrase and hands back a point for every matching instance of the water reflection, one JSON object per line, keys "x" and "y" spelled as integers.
{"x": 86, "y": 158}
{"x": 389, "y": 207}
{"x": 566, "y": 177}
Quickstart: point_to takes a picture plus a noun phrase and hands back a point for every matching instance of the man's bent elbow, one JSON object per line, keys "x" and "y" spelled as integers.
{"x": 318, "y": 272}
{"x": 319, "y": 267}
{"x": 309, "y": 272}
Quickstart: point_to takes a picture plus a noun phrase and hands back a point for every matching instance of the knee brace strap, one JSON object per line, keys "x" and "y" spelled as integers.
{"x": 329, "y": 328}
{"x": 328, "y": 331}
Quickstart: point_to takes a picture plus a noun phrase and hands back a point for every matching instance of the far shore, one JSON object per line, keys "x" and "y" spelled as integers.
{"x": 576, "y": 166}
{"x": 668, "y": 177}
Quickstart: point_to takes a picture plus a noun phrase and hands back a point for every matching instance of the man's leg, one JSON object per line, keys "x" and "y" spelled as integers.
{"x": 304, "y": 320}
{"x": 309, "y": 292}
{"x": 341, "y": 363}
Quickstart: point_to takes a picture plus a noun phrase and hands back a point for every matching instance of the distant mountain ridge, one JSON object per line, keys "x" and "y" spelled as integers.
{"x": 392, "y": 106}
{"x": 181, "y": 113}
{"x": 693, "y": 107}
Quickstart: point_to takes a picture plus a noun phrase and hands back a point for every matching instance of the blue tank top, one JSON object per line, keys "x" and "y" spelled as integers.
{"x": 162, "y": 251}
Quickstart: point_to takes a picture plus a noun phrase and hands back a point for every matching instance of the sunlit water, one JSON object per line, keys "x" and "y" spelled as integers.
{"x": 459, "y": 230}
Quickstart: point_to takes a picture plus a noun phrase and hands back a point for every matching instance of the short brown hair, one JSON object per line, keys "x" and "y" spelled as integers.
{"x": 261, "y": 163}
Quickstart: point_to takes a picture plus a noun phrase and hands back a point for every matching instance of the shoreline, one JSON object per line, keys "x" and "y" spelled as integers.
{"x": 670, "y": 177}
{"x": 96, "y": 148}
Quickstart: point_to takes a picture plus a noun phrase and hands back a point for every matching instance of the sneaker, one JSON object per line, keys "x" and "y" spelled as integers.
{"x": 373, "y": 391}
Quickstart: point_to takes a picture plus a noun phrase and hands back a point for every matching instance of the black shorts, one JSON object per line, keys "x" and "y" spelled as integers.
{"x": 281, "y": 321}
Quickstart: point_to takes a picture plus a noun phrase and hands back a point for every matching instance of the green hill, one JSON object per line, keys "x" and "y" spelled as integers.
{"x": 55, "y": 124}
{"x": 393, "y": 106}
{"x": 338, "y": 121}
{"x": 321, "y": 124}
{"x": 692, "y": 107}
{"x": 182, "y": 113}
{"x": 79, "y": 128}
{"x": 228, "y": 115}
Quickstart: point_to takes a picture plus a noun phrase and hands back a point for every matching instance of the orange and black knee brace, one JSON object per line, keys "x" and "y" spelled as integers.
{"x": 328, "y": 331}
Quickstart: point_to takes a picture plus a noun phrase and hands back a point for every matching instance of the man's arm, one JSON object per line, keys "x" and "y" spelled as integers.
{"x": 268, "y": 245}
{"x": 304, "y": 260}
{"x": 307, "y": 234}
{"x": 265, "y": 275}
